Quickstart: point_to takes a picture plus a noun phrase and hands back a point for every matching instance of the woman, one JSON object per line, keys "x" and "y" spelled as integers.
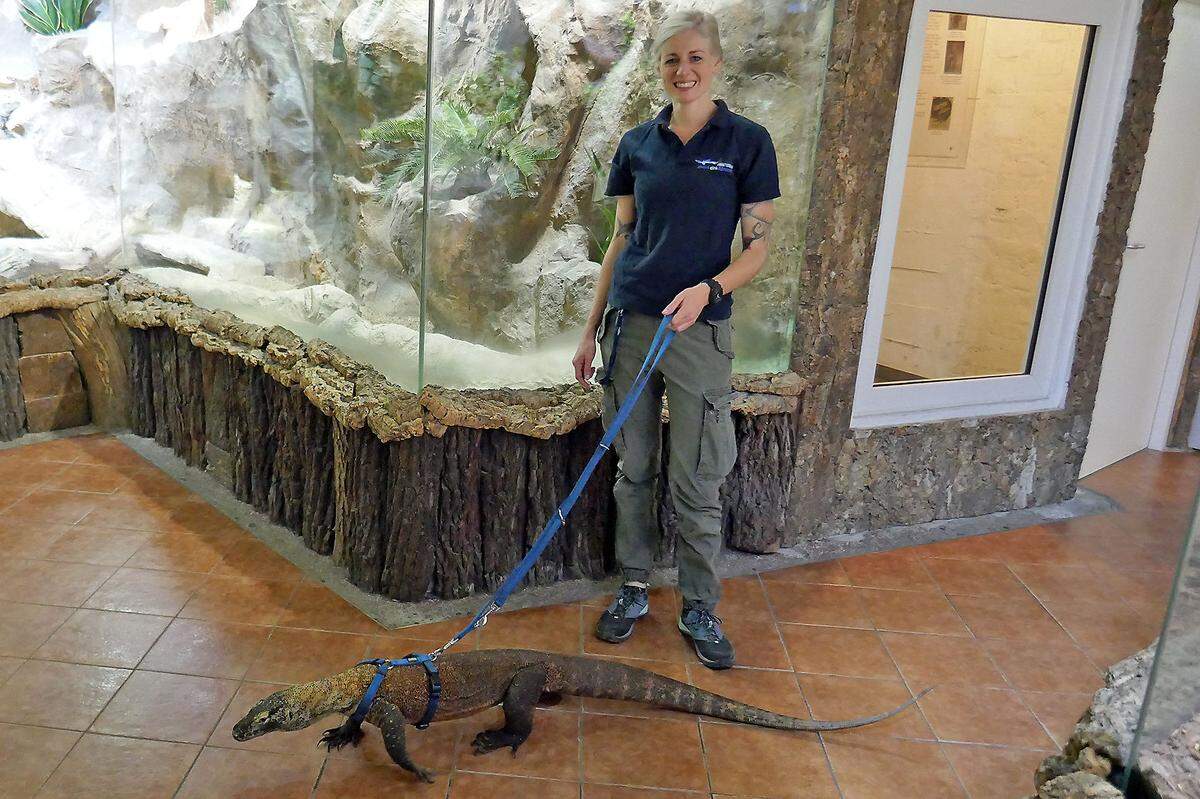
{"x": 682, "y": 181}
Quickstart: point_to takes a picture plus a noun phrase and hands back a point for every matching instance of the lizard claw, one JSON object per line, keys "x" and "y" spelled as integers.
{"x": 424, "y": 775}
{"x": 338, "y": 737}
{"x": 491, "y": 740}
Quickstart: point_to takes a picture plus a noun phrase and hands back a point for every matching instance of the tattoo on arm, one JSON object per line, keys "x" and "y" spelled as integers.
{"x": 754, "y": 225}
{"x": 625, "y": 229}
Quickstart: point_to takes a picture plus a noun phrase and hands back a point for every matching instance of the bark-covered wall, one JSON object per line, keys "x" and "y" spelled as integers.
{"x": 12, "y": 402}
{"x": 860, "y": 480}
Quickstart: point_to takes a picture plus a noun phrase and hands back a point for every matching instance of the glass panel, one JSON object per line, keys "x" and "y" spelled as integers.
{"x": 776, "y": 76}
{"x": 1173, "y": 698}
{"x": 272, "y": 155}
{"x": 528, "y": 109}
{"x": 991, "y": 136}
{"x": 59, "y": 164}
{"x": 244, "y": 178}
{"x": 370, "y": 75}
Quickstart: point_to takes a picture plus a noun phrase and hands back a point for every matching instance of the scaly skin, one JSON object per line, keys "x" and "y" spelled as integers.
{"x": 475, "y": 681}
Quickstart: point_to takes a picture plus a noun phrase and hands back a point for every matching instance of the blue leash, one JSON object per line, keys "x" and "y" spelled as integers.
{"x": 658, "y": 347}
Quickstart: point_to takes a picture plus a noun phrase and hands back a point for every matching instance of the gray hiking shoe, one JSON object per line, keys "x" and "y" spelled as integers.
{"x": 616, "y": 622}
{"x": 704, "y": 628}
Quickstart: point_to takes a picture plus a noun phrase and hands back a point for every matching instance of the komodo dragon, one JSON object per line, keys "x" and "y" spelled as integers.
{"x": 475, "y": 681}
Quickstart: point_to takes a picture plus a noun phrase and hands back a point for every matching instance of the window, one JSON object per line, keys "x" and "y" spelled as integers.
{"x": 1000, "y": 151}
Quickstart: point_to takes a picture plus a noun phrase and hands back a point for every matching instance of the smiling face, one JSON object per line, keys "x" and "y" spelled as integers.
{"x": 687, "y": 63}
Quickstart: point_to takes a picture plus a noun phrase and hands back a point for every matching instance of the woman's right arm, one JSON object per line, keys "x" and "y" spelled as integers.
{"x": 625, "y": 223}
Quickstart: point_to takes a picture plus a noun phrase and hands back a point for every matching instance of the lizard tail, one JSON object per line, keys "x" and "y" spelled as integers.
{"x": 605, "y": 679}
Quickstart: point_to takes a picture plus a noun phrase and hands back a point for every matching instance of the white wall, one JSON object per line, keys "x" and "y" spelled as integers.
{"x": 1133, "y": 379}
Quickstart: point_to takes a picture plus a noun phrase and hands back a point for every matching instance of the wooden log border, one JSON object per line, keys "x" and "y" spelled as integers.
{"x": 12, "y": 402}
{"x": 425, "y": 516}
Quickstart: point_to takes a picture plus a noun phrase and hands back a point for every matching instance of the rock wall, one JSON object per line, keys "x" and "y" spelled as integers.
{"x": 1100, "y": 752}
{"x": 859, "y": 480}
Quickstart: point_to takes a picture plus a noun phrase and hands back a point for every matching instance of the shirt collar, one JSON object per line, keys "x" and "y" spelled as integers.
{"x": 719, "y": 120}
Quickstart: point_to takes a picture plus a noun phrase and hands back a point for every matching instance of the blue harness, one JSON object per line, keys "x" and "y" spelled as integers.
{"x": 382, "y": 665}
{"x": 658, "y": 347}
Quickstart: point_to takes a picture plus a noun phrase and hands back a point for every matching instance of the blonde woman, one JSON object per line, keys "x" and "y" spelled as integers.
{"x": 683, "y": 182}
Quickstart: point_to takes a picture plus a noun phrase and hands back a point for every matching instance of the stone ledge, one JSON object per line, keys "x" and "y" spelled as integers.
{"x": 354, "y": 394}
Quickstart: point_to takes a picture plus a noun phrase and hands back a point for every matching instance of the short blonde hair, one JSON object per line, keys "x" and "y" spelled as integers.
{"x": 682, "y": 21}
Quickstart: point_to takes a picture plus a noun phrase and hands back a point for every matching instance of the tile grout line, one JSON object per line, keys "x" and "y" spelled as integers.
{"x": 272, "y": 628}
{"x": 201, "y": 746}
{"x": 1020, "y": 697}
{"x": 581, "y": 765}
{"x": 971, "y": 633}
{"x": 83, "y": 732}
{"x": 206, "y": 575}
{"x": 800, "y": 688}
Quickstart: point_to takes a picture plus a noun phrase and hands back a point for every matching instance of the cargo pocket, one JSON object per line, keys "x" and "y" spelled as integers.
{"x": 722, "y": 330}
{"x": 718, "y": 441}
{"x": 604, "y": 329}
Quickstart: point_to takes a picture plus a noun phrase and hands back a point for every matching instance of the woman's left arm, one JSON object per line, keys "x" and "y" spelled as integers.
{"x": 756, "y": 229}
{"x": 756, "y": 233}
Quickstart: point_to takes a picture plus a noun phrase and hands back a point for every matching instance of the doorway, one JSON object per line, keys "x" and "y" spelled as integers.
{"x": 1156, "y": 302}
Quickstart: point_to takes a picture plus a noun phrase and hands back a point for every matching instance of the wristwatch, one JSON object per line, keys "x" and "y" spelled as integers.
{"x": 715, "y": 292}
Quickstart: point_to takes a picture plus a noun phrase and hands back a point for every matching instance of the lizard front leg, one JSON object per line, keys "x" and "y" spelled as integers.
{"x": 391, "y": 722}
{"x": 519, "y": 701}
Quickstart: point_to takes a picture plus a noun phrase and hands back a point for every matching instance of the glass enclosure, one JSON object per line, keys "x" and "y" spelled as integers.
{"x": 417, "y": 181}
{"x": 991, "y": 135}
{"x": 1168, "y": 732}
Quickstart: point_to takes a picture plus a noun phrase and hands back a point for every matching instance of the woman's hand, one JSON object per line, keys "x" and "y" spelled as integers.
{"x": 583, "y": 359}
{"x": 687, "y": 306}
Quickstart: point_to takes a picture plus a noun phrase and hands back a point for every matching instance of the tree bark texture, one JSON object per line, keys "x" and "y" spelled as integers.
{"x": 100, "y": 343}
{"x": 12, "y": 401}
{"x": 444, "y": 516}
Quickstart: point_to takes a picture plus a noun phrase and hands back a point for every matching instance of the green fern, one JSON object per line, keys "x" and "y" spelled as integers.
{"x": 50, "y": 17}
{"x": 466, "y": 142}
{"x": 476, "y": 131}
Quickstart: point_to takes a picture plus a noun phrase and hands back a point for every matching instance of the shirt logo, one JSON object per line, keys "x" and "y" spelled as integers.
{"x": 714, "y": 166}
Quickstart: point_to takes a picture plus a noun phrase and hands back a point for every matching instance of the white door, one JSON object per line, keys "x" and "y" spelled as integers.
{"x": 1157, "y": 294}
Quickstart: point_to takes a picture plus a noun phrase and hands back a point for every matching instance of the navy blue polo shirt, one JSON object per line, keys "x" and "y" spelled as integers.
{"x": 689, "y": 201}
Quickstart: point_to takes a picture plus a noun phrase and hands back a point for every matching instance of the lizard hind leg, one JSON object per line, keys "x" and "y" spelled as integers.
{"x": 519, "y": 701}
{"x": 337, "y": 737}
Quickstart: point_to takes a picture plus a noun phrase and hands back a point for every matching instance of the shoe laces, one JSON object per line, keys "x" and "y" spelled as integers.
{"x": 627, "y": 595}
{"x": 709, "y": 621}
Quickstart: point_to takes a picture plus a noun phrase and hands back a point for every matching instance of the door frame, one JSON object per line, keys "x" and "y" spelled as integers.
{"x": 1177, "y": 355}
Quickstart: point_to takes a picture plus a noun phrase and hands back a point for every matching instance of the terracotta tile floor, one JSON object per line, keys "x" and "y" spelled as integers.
{"x": 137, "y": 624}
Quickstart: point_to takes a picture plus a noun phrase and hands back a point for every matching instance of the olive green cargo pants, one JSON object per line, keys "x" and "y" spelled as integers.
{"x": 695, "y": 376}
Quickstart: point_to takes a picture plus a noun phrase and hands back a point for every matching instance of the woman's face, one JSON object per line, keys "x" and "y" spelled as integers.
{"x": 688, "y": 62}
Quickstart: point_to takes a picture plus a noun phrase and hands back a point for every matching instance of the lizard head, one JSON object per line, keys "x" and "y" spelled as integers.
{"x": 279, "y": 711}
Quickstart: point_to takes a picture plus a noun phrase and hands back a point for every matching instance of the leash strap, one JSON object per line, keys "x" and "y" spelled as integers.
{"x": 435, "y": 691}
{"x": 658, "y": 348}
{"x": 612, "y": 356}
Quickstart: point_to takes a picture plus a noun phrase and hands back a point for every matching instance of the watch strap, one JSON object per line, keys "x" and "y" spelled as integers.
{"x": 715, "y": 292}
